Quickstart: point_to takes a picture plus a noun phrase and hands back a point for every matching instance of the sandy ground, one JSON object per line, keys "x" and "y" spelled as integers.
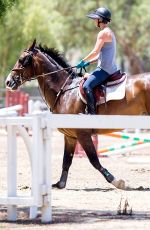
{"x": 88, "y": 201}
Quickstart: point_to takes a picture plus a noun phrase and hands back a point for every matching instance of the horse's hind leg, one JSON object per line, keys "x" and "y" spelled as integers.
{"x": 70, "y": 144}
{"x": 88, "y": 146}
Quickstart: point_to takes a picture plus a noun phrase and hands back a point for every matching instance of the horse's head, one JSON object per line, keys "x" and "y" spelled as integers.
{"x": 23, "y": 70}
{"x": 36, "y": 62}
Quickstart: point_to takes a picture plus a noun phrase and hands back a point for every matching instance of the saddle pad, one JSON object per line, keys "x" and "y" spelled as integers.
{"x": 114, "y": 92}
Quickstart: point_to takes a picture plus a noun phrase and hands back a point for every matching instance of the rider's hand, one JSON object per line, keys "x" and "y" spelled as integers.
{"x": 82, "y": 64}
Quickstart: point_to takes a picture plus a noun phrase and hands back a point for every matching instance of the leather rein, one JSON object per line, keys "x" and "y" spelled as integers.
{"x": 43, "y": 74}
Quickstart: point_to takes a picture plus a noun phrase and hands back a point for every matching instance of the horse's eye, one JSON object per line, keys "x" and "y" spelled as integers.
{"x": 25, "y": 61}
{"x": 21, "y": 61}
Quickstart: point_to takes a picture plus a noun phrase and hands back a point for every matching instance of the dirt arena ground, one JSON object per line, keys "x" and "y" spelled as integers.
{"x": 88, "y": 201}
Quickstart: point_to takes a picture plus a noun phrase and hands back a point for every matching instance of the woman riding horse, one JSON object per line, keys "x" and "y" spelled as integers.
{"x": 104, "y": 51}
{"x": 55, "y": 77}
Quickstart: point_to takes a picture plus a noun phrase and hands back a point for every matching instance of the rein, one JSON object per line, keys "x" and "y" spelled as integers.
{"x": 43, "y": 74}
{"x": 50, "y": 73}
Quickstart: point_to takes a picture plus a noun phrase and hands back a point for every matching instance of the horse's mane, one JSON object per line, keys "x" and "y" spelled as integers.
{"x": 58, "y": 57}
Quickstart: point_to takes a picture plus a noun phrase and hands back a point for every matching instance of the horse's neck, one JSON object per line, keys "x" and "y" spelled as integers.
{"x": 45, "y": 66}
{"x": 50, "y": 86}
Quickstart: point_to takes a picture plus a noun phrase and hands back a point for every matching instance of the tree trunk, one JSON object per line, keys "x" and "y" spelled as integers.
{"x": 135, "y": 64}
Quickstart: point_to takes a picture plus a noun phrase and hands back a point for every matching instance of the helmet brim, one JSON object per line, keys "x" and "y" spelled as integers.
{"x": 93, "y": 16}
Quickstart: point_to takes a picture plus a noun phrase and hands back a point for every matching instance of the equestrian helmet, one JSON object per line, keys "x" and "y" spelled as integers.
{"x": 102, "y": 14}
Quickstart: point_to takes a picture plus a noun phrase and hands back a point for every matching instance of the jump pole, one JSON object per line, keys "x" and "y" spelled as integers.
{"x": 123, "y": 148}
{"x": 119, "y": 147}
{"x": 128, "y": 136}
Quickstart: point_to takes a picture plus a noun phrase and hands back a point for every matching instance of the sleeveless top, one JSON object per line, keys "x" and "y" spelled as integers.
{"x": 107, "y": 57}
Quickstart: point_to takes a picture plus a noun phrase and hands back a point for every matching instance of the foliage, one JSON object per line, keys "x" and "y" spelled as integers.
{"x": 131, "y": 20}
{"x": 5, "y": 5}
{"x": 28, "y": 20}
{"x": 64, "y": 25}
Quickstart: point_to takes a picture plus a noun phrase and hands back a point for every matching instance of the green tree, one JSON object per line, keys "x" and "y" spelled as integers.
{"x": 63, "y": 24}
{"x": 130, "y": 21}
{"x": 5, "y": 5}
{"x": 28, "y": 20}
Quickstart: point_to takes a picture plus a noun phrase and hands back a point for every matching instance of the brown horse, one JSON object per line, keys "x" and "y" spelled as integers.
{"x": 59, "y": 86}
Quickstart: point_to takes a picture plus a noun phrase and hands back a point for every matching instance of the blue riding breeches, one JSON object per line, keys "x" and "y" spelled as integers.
{"x": 97, "y": 77}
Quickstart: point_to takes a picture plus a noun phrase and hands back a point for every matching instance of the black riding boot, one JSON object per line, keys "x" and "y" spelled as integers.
{"x": 91, "y": 109}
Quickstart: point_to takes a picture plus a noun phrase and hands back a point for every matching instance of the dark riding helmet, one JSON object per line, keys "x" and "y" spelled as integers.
{"x": 102, "y": 14}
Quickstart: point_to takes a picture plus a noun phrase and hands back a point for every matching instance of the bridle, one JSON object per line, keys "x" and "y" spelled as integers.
{"x": 23, "y": 79}
{"x": 20, "y": 78}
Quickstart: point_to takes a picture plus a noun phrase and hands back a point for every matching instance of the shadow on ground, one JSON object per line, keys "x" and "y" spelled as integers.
{"x": 61, "y": 215}
{"x": 140, "y": 188}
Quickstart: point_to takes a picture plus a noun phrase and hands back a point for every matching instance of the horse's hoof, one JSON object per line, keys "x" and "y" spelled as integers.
{"x": 120, "y": 184}
{"x": 59, "y": 185}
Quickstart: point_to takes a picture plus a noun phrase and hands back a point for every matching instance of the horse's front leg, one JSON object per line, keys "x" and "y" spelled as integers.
{"x": 69, "y": 149}
{"x": 88, "y": 146}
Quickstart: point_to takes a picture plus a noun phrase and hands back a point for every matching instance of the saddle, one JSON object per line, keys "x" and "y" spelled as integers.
{"x": 100, "y": 91}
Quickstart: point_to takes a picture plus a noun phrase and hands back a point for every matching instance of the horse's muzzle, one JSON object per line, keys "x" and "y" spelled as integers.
{"x": 12, "y": 83}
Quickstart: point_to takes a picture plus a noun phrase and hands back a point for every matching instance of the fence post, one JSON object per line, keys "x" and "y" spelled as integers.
{"x": 46, "y": 208}
{"x": 36, "y": 165}
{"x": 11, "y": 170}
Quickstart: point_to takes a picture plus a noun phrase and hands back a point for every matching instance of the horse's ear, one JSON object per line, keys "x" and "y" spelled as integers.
{"x": 32, "y": 46}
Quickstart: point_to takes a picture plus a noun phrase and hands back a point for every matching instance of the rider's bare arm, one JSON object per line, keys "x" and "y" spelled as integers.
{"x": 103, "y": 36}
{"x": 94, "y": 59}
